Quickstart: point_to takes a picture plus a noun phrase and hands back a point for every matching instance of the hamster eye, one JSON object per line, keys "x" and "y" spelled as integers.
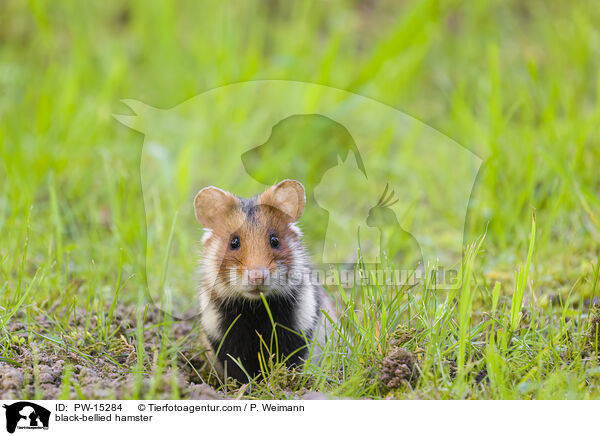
{"x": 274, "y": 241}
{"x": 235, "y": 243}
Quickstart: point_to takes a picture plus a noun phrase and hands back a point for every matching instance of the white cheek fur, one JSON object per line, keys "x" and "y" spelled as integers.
{"x": 209, "y": 316}
{"x": 296, "y": 229}
{"x": 307, "y": 308}
{"x": 211, "y": 321}
{"x": 206, "y": 236}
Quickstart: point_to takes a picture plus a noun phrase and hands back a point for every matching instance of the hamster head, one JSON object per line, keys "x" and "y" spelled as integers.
{"x": 251, "y": 246}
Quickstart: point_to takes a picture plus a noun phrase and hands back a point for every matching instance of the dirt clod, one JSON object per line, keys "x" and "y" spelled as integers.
{"x": 398, "y": 369}
{"x": 11, "y": 379}
{"x": 202, "y": 391}
{"x": 97, "y": 368}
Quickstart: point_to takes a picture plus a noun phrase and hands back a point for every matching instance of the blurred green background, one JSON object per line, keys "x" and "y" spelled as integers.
{"x": 515, "y": 82}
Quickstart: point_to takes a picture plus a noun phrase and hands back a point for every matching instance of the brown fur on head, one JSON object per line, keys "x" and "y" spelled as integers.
{"x": 251, "y": 244}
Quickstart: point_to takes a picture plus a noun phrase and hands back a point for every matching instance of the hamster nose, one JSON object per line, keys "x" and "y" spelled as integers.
{"x": 258, "y": 276}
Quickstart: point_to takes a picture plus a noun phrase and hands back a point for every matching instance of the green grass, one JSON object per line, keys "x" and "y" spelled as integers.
{"x": 517, "y": 83}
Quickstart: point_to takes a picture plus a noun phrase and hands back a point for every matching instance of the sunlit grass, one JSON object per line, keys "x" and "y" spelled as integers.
{"x": 517, "y": 83}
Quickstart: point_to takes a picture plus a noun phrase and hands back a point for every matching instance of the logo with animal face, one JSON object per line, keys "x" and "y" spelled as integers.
{"x": 26, "y": 415}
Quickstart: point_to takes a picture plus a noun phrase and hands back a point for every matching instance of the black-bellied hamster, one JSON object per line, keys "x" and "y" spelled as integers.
{"x": 252, "y": 248}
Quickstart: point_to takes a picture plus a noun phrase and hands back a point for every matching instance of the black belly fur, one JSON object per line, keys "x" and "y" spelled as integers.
{"x": 243, "y": 342}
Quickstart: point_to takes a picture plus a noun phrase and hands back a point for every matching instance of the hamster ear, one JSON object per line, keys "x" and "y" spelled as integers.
{"x": 211, "y": 204}
{"x": 288, "y": 196}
